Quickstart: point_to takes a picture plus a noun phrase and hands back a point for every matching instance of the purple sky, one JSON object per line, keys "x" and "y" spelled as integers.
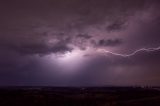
{"x": 79, "y": 42}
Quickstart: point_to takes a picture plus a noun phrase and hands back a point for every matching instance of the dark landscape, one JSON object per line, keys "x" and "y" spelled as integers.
{"x": 77, "y": 96}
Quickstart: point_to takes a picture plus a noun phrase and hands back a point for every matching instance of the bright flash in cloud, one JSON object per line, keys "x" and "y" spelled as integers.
{"x": 71, "y": 61}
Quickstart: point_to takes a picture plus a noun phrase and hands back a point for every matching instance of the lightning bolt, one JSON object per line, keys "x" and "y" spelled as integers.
{"x": 131, "y": 54}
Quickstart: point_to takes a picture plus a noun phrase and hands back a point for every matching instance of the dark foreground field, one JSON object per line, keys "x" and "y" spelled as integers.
{"x": 106, "y": 96}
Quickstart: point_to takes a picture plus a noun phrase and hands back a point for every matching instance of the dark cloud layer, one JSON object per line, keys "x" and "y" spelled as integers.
{"x": 85, "y": 36}
{"x": 36, "y": 34}
{"x": 109, "y": 42}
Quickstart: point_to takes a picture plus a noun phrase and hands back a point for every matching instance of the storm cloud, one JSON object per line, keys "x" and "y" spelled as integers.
{"x": 56, "y": 42}
{"x": 109, "y": 42}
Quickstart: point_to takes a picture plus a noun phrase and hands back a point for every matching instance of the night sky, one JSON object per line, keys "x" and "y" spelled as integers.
{"x": 79, "y": 42}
